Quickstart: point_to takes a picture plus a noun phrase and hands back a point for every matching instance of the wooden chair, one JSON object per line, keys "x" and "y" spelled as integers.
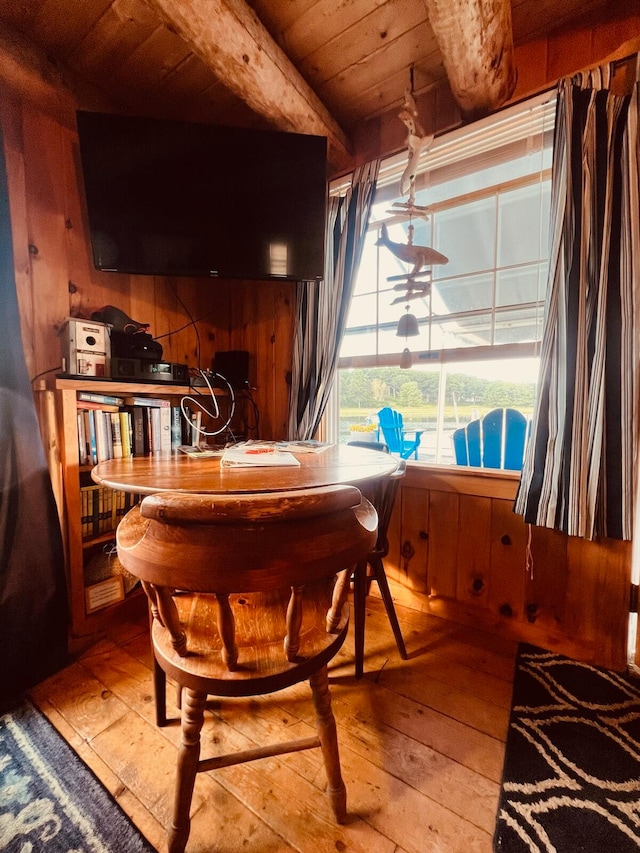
{"x": 255, "y": 575}
{"x": 382, "y": 495}
{"x": 496, "y": 440}
{"x": 392, "y": 426}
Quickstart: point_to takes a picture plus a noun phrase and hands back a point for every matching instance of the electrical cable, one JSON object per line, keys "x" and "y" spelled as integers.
{"x": 216, "y": 408}
{"x": 44, "y": 372}
{"x": 247, "y": 397}
{"x": 192, "y": 322}
{"x": 181, "y": 328}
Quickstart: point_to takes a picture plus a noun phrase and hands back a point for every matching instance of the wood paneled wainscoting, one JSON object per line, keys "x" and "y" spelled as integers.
{"x": 455, "y": 539}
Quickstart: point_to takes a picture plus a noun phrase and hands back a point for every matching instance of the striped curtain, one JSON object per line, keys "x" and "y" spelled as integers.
{"x": 579, "y": 474}
{"x": 323, "y": 306}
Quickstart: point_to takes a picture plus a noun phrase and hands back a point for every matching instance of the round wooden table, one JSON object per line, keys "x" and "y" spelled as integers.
{"x": 183, "y": 473}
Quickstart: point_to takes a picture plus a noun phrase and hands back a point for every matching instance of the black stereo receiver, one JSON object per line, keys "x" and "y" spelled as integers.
{"x": 141, "y": 370}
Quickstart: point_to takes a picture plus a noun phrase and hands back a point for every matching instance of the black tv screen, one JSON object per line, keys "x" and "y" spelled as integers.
{"x": 180, "y": 198}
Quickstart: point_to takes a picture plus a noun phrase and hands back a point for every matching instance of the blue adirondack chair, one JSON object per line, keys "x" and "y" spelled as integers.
{"x": 394, "y": 434}
{"x": 495, "y": 441}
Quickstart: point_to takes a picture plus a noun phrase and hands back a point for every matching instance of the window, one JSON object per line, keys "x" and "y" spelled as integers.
{"x": 485, "y": 190}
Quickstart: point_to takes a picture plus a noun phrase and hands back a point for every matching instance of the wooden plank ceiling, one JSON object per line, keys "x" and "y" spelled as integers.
{"x": 317, "y": 66}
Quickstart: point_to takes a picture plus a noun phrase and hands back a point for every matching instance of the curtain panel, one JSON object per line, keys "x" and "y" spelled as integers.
{"x": 579, "y": 473}
{"x": 33, "y": 595}
{"x": 323, "y": 306}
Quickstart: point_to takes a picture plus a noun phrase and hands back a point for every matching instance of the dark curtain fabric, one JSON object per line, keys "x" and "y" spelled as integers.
{"x": 33, "y": 598}
{"x": 323, "y": 306}
{"x": 579, "y": 474}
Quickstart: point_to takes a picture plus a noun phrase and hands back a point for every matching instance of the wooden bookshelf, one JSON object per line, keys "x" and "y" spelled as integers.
{"x": 58, "y": 414}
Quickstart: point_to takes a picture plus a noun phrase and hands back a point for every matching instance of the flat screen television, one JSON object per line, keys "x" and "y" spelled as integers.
{"x": 180, "y": 198}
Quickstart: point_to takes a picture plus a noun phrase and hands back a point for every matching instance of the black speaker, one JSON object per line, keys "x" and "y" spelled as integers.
{"x": 234, "y": 366}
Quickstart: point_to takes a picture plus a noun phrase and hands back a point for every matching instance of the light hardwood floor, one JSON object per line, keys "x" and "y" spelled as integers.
{"x": 421, "y": 744}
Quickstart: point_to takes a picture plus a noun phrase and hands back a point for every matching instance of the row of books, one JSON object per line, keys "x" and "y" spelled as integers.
{"x": 102, "y": 509}
{"x": 115, "y": 427}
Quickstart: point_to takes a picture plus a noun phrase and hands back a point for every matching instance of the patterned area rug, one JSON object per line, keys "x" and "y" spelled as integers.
{"x": 50, "y": 800}
{"x": 571, "y": 779}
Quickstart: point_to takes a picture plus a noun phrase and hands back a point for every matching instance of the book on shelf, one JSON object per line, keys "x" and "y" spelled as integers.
{"x": 151, "y": 425}
{"x": 154, "y": 430}
{"x": 98, "y": 407}
{"x": 140, "y": 444}
{"x": 141, "y": 425}
{"x": 91, "y": 509}
{"x": 126, "y": 432}
{"x": 105, "y": 399}
{"x": 176, "y": 427}
{"x": 104, "y": 432}
{"x": 103, "y": 436}
{"x": 101, "y": 509}
{"x": 257, "y": 454}
{"x": 85, "y": 518}
{"x": 160, "y": 429}
{"x": 154, "y": 402}
{"x": 83, "y": 447}
{"x": 90, "y": 431}
{"x": 196, "y": 428}
{"x": 165, "y": 430}
{"x": 116, "y": 435}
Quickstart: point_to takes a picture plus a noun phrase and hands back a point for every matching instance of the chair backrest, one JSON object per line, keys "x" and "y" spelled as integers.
{"x": 496, "y": 440}
{"x": 250, "y": 560}
{"x": 383, "y": 497}
{"x": 392, "y": 426}
{"x": 474, "y": 443}
{"x": 459, "y": 439}
{"x": 517, "y": 430}
{"x": 382, "y": 494}
{"x": 242, "y": 542}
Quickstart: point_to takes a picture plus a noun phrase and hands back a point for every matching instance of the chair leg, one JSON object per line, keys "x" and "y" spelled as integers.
{"x": 188, "y": 757}
{"x": 359, "y": 612}
{"x": 338, "y": 599}
{"x": 159, "y": 675}
{"x": 159, "y": 693}
{"x": 383, "y": 584}
{"x": 327, "y": 733}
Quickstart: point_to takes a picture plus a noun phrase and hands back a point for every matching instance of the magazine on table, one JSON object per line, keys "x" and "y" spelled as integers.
{"x": 200, "y": 451}
{"x": 256, "y": 453}
{"x": 308, "y": 445}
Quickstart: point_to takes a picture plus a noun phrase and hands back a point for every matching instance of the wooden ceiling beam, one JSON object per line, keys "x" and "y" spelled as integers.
{"x": 229, "y": 38}
{"x": 476, "y": 41}
{"x": 26, "y": 73}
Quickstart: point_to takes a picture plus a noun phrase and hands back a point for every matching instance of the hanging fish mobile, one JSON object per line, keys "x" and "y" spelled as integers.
{"x": 420, "y": 257}
{"x": 417, "y": 282}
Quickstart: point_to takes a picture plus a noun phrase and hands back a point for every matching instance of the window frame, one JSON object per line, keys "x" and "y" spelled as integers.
{"x": 543, "y": 106}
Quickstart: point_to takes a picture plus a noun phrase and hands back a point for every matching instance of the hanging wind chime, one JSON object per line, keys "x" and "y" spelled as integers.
{"x": 416, "y": 284}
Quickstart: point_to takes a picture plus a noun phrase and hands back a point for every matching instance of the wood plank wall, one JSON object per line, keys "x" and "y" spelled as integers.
{"x": 55, "y": 276}
{"x": 455, "y": 538}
